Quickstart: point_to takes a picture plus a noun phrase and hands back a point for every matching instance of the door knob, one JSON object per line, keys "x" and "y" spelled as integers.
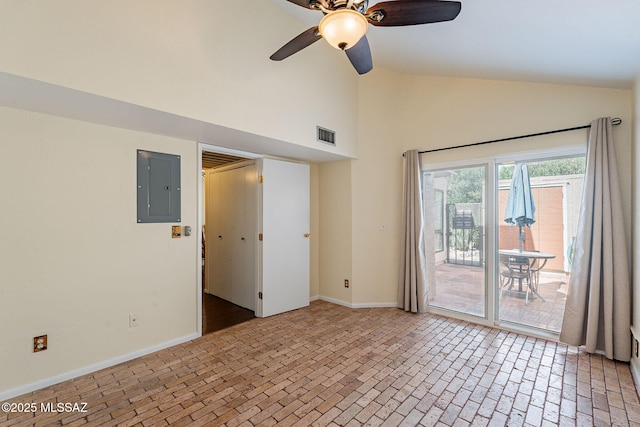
{"x": 307, "y": 234}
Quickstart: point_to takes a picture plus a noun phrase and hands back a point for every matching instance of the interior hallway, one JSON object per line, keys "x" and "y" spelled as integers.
{"x": 218, "y": 314}
{"x": 331, "y": 365}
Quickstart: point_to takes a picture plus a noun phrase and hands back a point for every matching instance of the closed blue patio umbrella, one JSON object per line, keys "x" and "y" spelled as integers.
{"x": 520, "y": 206}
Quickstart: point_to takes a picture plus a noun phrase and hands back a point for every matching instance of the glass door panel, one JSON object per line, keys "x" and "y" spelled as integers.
{"x": 534, "y": 261}
{"x": 454, "y": 202}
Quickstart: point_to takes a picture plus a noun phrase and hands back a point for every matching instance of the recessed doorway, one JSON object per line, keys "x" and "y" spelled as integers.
{"x": 219, "y": 310}
{"x": 258, "y": 197}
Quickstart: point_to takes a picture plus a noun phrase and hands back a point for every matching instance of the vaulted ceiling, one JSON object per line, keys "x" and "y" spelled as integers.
{"x": 584, "y": 42}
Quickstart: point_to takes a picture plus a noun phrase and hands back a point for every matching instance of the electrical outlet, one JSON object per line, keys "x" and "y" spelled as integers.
{"x": 346, "y": 283}
{"x": 134, "y": 320}
{"x": 39, "y": 343}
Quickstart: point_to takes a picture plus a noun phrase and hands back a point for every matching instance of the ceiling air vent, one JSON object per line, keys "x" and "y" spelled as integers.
{"x": 327, "y": 136}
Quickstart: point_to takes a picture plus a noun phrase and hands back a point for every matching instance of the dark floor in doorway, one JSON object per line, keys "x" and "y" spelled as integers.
{"x": 219, "y": 314}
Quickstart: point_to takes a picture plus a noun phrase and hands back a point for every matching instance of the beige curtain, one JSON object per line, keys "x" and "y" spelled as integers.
{"x": 412, "y": 295}
{"x": 597, "y": 314}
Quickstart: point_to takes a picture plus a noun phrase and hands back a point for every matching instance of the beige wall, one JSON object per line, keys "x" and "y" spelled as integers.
{"x": 377, "y": 188}
{"x": 336, "y": 249}
{"x": 201, "y": 59}
{"x": 405, "y": 112}
{"x": 74, "y": 261}
{"x": 79, "y": 264}
{"x": 193, "y": 59}
{"x": 75, "y": 264}
{"x": 314, "y": 241}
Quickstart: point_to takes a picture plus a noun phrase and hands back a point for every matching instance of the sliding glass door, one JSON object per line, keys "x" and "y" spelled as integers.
{"x": 456, "y": 240}
{"x": 487, "y": 256}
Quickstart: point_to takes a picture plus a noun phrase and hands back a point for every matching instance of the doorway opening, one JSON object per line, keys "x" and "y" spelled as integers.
{"x": 219, "y": 207}
{"x": 257, "y": 197}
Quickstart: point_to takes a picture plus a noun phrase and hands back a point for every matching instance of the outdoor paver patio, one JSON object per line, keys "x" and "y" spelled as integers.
{"x": 462, "y": 287}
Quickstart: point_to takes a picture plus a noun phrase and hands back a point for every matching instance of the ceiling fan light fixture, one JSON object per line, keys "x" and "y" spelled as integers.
{"x": 343, "y": 28}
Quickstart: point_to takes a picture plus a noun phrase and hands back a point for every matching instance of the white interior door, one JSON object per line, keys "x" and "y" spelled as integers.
{"x": 284, "y": 260}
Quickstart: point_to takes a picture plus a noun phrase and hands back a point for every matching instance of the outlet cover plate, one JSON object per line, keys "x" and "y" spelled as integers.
{"x": 39, "y": 343}
{"x": 134, "y": 320}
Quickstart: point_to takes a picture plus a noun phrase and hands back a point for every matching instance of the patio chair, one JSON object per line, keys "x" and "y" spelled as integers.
{"x": 535, "y": 268}
{"x": 518, "y": 268}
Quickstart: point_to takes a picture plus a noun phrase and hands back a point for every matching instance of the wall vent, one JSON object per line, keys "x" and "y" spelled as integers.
{"x": 326, "y": 135}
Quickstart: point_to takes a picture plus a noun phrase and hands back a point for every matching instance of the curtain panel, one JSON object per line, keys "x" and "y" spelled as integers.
{"x": 598, "y": 309}
{"x": 412, "y": 293}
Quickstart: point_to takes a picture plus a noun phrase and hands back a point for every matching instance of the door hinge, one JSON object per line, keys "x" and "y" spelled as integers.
{"x": 260, "y": 179}
{"x": 260, "y": 237}
{"x": 260, "y": 295}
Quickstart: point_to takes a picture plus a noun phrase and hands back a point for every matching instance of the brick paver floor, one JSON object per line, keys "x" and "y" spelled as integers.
{"x": 331, "y": 365}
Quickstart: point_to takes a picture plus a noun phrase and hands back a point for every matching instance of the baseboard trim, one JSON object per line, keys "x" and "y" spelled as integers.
{"x": 634, "y": 363}
{"x": 376, "y": 305}
{"x": 335, "y": 301}
{"x": 359, "y": 305}
{"x": 635, "y": 373}
{"x": 92, "y": 368}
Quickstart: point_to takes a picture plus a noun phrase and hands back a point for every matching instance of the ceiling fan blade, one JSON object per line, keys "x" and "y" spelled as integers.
{"x": 303, "y": 3}
{"x": 360, "y": 56}
{"x": 296, "y": 44}
{"x": 414, "y": 12}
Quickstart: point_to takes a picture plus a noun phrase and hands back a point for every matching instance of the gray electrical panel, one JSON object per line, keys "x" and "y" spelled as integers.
{"x": 158, "y": 187}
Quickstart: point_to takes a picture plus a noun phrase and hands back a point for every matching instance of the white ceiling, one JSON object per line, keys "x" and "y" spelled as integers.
{"x": 583, "y": 42}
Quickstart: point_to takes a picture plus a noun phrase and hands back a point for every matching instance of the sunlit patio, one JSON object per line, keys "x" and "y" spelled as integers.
{"x": 462, "y": 287}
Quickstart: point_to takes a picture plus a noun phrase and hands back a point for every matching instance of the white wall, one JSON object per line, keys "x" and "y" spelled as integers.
{"x": 74, "y": 261}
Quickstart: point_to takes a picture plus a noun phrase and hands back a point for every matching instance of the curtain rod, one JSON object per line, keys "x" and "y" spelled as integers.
{"x": 615, "y": 122}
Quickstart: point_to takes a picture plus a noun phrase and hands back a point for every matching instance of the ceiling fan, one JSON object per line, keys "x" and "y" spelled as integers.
{"x": 345, "y": 24}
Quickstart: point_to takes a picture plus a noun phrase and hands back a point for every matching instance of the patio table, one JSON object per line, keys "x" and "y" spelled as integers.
{"x": 537, "y": 261}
